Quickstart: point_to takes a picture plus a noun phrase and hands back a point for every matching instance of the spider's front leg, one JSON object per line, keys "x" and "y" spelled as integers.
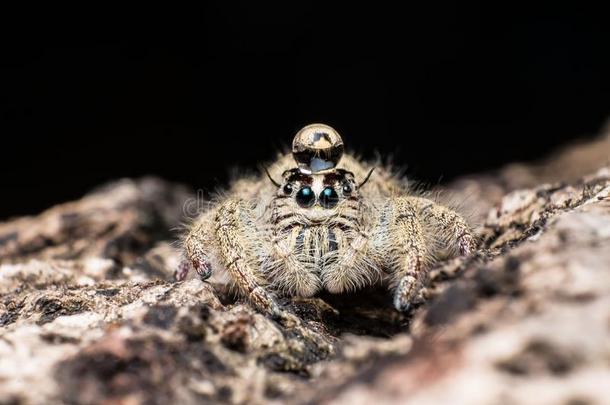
{"x": 405, "y": 247}
{"x": 239, "y": 244}
{"x": 451, "y": 226}
{"x": 196, "y": 245}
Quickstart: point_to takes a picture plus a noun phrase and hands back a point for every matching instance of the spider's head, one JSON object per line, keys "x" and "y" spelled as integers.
{"x": 316, "y": 186}
{"x": 317, "y": 193}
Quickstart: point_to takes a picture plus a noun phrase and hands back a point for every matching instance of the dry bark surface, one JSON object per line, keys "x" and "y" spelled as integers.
{"x": 89, "y": 312}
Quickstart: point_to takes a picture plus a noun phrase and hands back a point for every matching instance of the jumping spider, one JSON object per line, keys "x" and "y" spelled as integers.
{"x": 327, "y": 223}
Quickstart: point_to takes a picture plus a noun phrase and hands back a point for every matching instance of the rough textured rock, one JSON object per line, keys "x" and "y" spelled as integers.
{"x": 89, "y": 312}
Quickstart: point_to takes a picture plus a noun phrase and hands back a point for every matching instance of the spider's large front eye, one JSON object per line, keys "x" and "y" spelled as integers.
{"x": 329, "y": 197}
{"x": 305, "y": 197}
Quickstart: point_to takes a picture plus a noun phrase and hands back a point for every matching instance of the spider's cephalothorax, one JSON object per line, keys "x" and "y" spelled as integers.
{"x": 317, "y": 223}
{"x": 315, "y": 218}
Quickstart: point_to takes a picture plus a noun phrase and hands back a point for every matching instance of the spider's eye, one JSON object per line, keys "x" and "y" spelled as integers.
{"x": 347, "y": 188}
{"x": 329, "y": 197}
{"x": 305, "y": 197}
{"x": 287, "y": 189}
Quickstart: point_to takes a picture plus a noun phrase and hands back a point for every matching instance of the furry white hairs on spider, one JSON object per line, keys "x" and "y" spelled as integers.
{"x": 318, "y": 219}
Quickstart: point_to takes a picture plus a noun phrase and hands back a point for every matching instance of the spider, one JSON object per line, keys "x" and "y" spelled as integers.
{"x": 322, "y": 220}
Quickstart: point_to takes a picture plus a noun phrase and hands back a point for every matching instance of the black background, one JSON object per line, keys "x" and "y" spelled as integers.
{"x": 94, "y": 93}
